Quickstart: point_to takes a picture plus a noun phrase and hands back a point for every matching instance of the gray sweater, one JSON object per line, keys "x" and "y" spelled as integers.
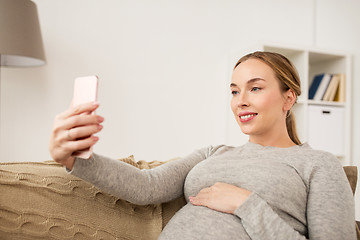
{"x": 297, "y": 192}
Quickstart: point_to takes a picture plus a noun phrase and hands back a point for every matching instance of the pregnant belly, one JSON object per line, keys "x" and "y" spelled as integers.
{"x": 196, "y": 222}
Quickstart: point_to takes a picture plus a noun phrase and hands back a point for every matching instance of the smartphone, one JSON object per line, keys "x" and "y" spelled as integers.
{"x": 85, "y": 90}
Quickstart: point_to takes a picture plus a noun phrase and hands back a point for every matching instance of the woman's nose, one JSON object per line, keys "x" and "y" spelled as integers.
{"x": 242, "y": 100}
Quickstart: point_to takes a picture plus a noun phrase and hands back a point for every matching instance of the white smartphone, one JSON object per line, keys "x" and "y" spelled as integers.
{"x": 85, "y": 90}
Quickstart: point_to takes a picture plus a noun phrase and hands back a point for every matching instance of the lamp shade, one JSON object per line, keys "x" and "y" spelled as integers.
{"x": 20, "y": 36}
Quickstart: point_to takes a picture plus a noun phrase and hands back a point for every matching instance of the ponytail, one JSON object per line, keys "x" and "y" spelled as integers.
{"x": 291, "y": 128}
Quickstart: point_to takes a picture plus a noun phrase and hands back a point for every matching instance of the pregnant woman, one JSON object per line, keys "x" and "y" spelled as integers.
{"x": 272, "y": 187}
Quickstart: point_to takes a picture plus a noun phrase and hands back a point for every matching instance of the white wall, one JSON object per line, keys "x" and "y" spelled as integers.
{"x": 163, "y": 68}
{"x": 337, "y": 26}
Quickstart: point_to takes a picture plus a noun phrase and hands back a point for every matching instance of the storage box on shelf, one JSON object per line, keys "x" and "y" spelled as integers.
{"x": 309, "y": 114}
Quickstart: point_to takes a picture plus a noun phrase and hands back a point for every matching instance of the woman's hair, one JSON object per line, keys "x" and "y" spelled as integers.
{"x": 288, "y": 78}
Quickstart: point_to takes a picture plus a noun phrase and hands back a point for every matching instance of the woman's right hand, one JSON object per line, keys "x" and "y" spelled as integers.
{"x": 73, "y": 131}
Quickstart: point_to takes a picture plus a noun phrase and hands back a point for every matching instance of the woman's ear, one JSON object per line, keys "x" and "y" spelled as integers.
{"x": 290, "y": 98}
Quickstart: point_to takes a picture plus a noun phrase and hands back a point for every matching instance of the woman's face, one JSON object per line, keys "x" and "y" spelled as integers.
{"x": 258, "y": 104}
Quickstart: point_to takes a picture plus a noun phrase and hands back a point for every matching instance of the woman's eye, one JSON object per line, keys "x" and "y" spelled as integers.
{"x": 234, "y": 92}
{"x": 254, "y": 89}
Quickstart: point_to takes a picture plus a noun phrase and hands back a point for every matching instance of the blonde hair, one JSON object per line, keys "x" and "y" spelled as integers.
{"x": 288, "y": 78}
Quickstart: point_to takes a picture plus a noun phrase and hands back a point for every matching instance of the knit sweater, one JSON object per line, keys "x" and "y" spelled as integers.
{"x": 297, "y": 192}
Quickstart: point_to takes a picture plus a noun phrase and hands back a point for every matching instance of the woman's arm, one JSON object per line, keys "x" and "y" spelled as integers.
{"x": 160, "y": 184}
{"x": 262, "y": 222}
{"x": 257, "y": 217}
{"x": 330, "y": 211}
{"x": 73, "y": 130}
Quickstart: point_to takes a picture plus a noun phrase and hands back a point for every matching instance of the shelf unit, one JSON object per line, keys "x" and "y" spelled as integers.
{"x": 309, "y": 61}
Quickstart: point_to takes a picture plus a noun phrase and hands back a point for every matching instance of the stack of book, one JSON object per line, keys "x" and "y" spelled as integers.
{"x": 328, "y": 87}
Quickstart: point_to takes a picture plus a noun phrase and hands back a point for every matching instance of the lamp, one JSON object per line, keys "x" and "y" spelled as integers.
{"x": 20, "y": 36}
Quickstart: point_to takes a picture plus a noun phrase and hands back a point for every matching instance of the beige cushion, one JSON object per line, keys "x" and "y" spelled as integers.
{"x": 42, "y": 201}
{"x": 351, "y": 173}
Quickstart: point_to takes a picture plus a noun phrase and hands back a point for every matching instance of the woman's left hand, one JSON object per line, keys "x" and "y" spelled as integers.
{"x": 221, "y": 197}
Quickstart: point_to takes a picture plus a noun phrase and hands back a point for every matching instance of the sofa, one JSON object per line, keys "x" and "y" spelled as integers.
{"x": 39, "y": 200}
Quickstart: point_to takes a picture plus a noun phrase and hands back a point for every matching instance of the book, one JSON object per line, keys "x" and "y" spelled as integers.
{"x": 332, "y": 88}
{"x": 322, "y": 87}
{"x": 340, "y": 93}
{"x": 314, "y": 85}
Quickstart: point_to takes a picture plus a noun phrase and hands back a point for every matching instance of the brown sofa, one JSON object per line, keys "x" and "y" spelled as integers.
{"x": 42, "y": 201}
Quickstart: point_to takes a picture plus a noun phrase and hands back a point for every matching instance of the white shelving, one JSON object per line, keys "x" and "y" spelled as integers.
{"x": 310, "y": 61}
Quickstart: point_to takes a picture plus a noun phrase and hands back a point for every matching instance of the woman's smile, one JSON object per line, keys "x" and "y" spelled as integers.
{"x": 247, "y": 116}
